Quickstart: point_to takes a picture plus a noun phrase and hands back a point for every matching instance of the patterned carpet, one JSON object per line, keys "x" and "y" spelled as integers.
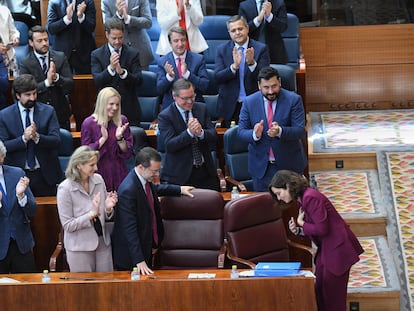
{"x": 362, "y": 131}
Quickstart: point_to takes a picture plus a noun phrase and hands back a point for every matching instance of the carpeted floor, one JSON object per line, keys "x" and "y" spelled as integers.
{"x": 362, "y": 131}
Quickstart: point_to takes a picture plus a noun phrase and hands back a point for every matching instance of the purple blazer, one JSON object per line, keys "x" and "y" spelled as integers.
{"x": 338, "y": 247}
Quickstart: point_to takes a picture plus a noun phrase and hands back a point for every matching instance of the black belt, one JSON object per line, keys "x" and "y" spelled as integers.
{"x": 272, "y": 162}
{"x": 32, "y": 169}
{"x": 198, "y": 166}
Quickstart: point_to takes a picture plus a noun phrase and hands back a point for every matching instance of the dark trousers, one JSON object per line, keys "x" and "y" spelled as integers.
{"x": 38, "y": 185}
{"x": 200, "y": 178}
{"x": 262, "y": 184}
{"x": 16, "y": 262}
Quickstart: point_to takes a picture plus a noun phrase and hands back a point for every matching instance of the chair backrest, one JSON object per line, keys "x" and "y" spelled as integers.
{"x": 193, "y": 231}
{"x": 140, "y": 141}
{"x": 65, "y": 149}
{"x": 148, "y": 98}
{"x": 154, "y": 35}
{"x": 235, "y": 156}
{"x": 287, "y": 75}
{"x": 254, "y": 229}
{"x": 291, "y": 39}
{"x": 22, "y": 50}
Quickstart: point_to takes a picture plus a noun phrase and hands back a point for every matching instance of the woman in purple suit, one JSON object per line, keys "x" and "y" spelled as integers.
{"x": 338, "y": 248}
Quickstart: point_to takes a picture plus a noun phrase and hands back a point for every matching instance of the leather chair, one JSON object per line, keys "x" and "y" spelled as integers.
{"x": 287, "y": 76}
{"x": 140, "y": 141}
{"x": 65, "y": 148}
{"x": 148, "y": 98}
{"x": 255, "y": 231}
{"x": 193, "y": 232}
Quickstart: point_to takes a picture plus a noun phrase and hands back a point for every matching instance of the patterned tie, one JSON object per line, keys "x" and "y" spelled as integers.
{"x": 44, "y": 65}
{"x": 242, "y": 93}
{"x": 197, "y": 157}
{"x": 182, "y": 23}
{"x": 30, "y": 144}
{"x": 4, "y": 202}
{"x": 154, "y": 217}
{"x": 180, "y": 72}
{"x": 269, "y": 123}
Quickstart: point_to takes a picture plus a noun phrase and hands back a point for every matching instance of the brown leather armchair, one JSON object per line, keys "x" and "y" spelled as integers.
{"x": 255, "y": 232}
{"x": 194, "y": 237}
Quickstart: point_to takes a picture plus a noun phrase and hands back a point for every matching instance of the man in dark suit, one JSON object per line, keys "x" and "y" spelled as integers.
{"x": 272, "y": 121}
{"x": 138, "y": 229}
{"x": 17, "y": 205}
{"x": 236, "y": 67}
{"x": 189, "y": 136}
{"x": 52, "y": 73}
{"x": 30, "y": 132}
{"x": 267, "y": 20}
{"x": 73, "y": 22}
{"x": 116, "y": 64}
{"x": 180, "y": 63}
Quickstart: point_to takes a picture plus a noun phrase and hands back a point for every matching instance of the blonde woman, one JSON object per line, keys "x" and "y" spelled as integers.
{"x": 107, "y": 130}
{"x": 84, "y": 205}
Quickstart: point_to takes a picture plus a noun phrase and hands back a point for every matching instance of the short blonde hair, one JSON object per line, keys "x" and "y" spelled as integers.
{"x": 81, "y": 155}
{"x": 100, "y": 106}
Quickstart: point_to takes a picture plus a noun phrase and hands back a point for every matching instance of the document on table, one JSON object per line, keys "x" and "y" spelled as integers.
{"x": 201, "y": 275}
{"x": 8, "y": 280}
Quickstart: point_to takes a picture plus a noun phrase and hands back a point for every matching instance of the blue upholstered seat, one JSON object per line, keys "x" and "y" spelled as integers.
{"x": 148, "y": 98}
{"x": 22, "y": 50}
{"x": 65, "y": 148}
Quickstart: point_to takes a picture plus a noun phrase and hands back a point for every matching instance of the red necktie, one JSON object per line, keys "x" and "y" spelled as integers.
{"x": 182, "y": 23}
{"x": 180, "y": 72}
{"x": 269, "y": 123}
{"x": 154, "y": 218}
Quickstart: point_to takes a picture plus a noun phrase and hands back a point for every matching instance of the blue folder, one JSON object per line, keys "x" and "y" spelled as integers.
{"x": 277, "y": 269}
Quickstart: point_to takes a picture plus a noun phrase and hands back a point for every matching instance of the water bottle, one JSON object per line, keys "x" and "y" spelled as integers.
{"x": 135, "y": 274}
{"x": 234, "y": 274}
{"x": 232, "y": 123}
{"x": 156, "y": 130}
{"x": 45, "y": 276}
{"x": 235, "y": 193}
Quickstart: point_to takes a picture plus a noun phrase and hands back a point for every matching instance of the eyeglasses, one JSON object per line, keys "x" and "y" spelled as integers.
{"x": 186, "y": 99}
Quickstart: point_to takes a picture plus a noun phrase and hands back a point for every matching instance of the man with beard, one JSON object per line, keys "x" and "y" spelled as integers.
{"x": 30, "y": 132}
{"x": 272, "y": 121}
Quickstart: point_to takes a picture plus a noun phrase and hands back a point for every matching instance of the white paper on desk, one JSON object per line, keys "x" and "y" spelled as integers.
{"x": 8, "y": 280}
{"x": 201, "y": 275}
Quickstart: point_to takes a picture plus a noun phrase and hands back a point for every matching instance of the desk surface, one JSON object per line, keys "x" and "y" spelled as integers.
{"x": 168, "y": 290}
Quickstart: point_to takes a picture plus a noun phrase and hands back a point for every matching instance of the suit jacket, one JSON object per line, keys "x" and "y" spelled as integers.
{"x": 288, "y": 149}
{"x": 57, "y": 94}
{"x": 46, "y": 151}
{"x": 272, "y": 30}
{"x": 228, "y": 82}
{"x": 132, "y": 238}
{"x": 126, "y": 87}
{"x": 16, "y": 217}
{"x": 338, "y": 248}
{"x": 167, "y": 17}
{"x": 135, "y": 34}
{"x": 178, "y": 162}
{"x": 74, "y": 204}
{"x": 75, "y": 36}
{"x": 198, "y": 76}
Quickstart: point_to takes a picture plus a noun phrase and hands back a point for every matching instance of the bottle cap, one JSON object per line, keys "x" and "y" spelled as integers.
{"x": 234, "y": 188}
{"x": 135, "y": 269}
{"x": 234, "y": 267}
{"x": 45, "y": 271}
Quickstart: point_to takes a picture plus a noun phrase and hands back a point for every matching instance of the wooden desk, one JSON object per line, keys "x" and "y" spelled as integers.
{"x": 227, "y": 195}
{"x": 170, "y": 290}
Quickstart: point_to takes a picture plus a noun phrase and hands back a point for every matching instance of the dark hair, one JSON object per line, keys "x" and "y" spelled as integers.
{"x": 285, "y": 179}
{"x": 267, "y": 73}
{"x": 177, "y": 29}
{"x": 181, "y": 84}
{"x": 114, "y": 23}
{"x": 36, "y": 28}
{"x": 146, "y": 155}
{"x": 236, "y": 18}
{"x": 24, "y": 83}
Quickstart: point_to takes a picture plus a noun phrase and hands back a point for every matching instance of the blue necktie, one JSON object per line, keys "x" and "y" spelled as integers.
{"x": 30, "y": 144}
{"x": 242, "y": 93}
{"x": 4, "y": 197}
{"x": 44, "y": 65}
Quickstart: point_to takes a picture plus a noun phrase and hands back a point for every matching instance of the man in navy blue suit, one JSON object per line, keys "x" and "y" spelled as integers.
{"x": 236, "y": 67}
{"x": 117, "y": 65}
{"x": 272, "y": 121}
{"x": 267, "y": 20}
{"x": 180, "y": 63}
{"x": 17, "y": 206}
{"x": 30, "y": 132}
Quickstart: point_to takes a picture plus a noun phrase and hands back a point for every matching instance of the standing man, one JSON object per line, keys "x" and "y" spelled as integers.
{"x": 267, "y": 20}
{"x": 189, "y": 135}
{"x": 138, "y": 229}
{"x": 136, "y": 16}
{"x": 52, "y": 73}
{"x": 116, "y": 64}
{"x": 73, "y": 22}
{"x": 180, "y": 63}
{"x": 17, "y": 205}
{"x": 272, "y": 121}
{"x": 237, "y": 64}
{"x": 30, "y": 132}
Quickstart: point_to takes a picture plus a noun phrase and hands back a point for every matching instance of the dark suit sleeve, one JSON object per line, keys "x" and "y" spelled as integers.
{"x": 89, "y": 24}
{"x": 65, "y": 74}
{"x": 198, "y": 74}
{"x": 163, "y": 84}
{"x": 99, "y": 64}
{"x": 279, "y": 22}
{"x": 223, "y": 60}
{"x": 55, "y": 13}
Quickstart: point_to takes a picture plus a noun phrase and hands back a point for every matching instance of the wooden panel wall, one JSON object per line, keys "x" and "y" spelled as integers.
{"x": 359, "y": 67}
